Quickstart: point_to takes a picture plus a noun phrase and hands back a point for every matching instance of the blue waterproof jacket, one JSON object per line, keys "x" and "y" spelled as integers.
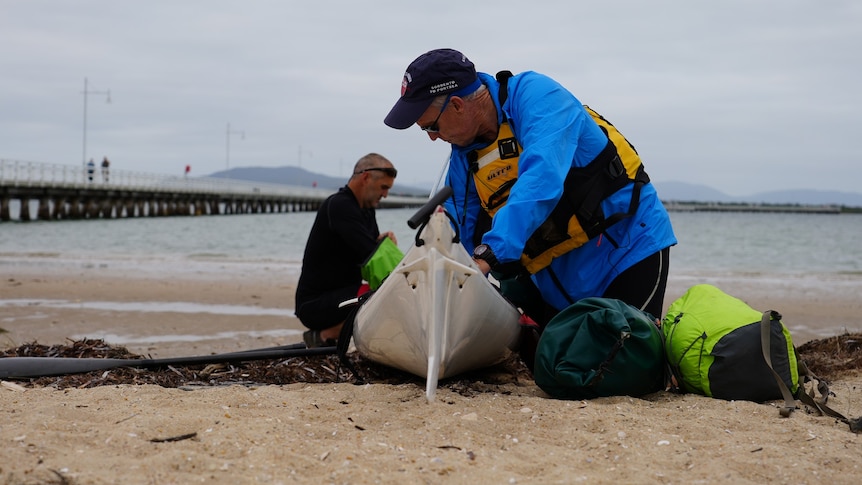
{"x": 556, "y": 133}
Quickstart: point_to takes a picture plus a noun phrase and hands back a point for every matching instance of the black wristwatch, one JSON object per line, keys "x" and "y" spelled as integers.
{"x": 483, "y": 252}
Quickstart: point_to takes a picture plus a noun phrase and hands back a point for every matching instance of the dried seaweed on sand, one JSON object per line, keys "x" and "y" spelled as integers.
{"x": 310, "y": 369}
{"x": 829, "y": 358}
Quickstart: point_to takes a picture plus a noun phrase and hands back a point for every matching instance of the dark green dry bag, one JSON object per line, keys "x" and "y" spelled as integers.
{"x": 600, "y": 347}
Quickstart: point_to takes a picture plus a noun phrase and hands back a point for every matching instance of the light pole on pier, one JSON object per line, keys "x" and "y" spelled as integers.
{"x": 228, "y": 133}
{"x": 299, "y": 153}
{"x": 85, "y": 93}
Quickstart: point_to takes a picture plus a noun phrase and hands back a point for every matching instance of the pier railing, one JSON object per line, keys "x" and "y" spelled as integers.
{"x": 68, "y": 191}
{"x": 676, "y": 206}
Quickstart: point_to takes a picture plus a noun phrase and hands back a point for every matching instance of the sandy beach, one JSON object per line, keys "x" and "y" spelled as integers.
{"x": 376, "y": 433}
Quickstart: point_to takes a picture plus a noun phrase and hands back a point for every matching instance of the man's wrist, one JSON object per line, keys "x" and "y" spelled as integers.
{"x": 483, "y": 252}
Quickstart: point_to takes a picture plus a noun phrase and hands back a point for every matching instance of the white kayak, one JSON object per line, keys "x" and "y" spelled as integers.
{"x": 436, "y": 315}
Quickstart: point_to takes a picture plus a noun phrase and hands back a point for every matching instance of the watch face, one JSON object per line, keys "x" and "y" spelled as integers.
{"x": 480, "y": 250}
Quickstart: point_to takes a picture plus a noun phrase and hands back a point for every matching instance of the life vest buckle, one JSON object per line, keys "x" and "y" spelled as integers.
{"x": 508, "y": 148}
{"x": 616, "y": 167}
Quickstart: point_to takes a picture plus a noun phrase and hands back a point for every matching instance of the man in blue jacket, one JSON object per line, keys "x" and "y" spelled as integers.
{"x": 547, "y": 194}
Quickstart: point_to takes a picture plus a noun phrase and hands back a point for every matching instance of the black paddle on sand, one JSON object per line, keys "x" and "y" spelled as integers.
{"x": 24, "y": 367}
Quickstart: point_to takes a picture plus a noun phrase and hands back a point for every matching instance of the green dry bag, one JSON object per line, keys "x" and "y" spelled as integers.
{"x": 382, "y": 261}
{"x": 715, "y": 348}
{"x": 600, "y": 347}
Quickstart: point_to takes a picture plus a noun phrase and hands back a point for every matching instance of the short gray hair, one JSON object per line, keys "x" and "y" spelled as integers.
{"x": 372, "y": 160}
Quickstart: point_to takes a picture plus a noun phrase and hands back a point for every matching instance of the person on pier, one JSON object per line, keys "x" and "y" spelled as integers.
{"x": 106, "y": 164}
{"x": 91, "y": 169}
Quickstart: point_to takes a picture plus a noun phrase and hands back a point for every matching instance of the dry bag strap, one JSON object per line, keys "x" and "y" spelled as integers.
{"x": 825, "y": 410}
{"x": 789, "y": 401}
{"x": 820, "y": 404}
{"x": 604, "y": 366}
{"x": 765, "y": 341}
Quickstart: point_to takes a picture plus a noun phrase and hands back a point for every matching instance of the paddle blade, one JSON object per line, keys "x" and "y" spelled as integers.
{"x": 20, "y": 367}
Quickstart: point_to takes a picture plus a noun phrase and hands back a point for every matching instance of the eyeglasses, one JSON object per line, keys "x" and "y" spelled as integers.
{"x": 433, "y": 128}
{"x": 387, "y": 170}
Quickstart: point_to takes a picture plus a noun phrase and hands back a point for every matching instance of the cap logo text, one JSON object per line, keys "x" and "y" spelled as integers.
{"x": 444, "y": 86}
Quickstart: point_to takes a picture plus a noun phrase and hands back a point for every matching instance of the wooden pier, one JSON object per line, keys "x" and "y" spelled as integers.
{"x": 46, "y": 192}
{"x": 675, "y": 206}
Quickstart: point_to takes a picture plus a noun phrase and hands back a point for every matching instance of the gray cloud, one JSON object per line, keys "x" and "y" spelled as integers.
{"x": 742, "y": 96}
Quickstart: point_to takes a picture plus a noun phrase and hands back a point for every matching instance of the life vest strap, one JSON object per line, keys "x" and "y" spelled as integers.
{"x": 578, "y": 216}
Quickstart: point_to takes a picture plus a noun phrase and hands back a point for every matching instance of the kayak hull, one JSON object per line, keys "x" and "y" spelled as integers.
{"x": 436, "y": 315}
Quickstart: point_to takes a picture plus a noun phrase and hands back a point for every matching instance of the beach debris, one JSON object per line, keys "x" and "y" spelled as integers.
{"x": 174, "y": 369}
{"x": 174, "y": 438}
{"x": 320, "y": 369}
{"x": 126, "y": 418}
{"x": 828, "y": 358}
{"x": 12, "y": 386}
{"x": 61, "y": 477}
{"x": 211, "y": 369}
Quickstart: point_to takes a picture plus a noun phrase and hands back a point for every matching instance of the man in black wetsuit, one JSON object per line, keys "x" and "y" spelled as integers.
{"x": 343, "y": 236}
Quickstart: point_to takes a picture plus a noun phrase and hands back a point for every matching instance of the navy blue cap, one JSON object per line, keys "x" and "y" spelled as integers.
{"x": 437, "y": 72}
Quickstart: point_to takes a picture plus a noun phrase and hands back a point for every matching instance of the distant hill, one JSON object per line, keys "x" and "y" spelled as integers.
{"x": 300, "y": 177}
{"x": 671, "y": 190}
{"x": 690, "y": 192}
{"x": 681, "y": 191}
{"x": 808, "y": 197}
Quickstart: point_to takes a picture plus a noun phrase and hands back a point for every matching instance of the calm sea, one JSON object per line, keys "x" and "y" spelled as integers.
{"x": 708, "y": 242}
{"x": 805, "y": 256}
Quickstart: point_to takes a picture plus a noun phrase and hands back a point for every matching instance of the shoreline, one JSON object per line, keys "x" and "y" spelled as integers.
{"x": 160, "y": 309}
{"x": 228, "y": 309}
{"x": 373, "y": 433}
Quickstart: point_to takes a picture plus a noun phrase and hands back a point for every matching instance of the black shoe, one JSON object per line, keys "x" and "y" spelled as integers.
{"x": 312, "y": 340}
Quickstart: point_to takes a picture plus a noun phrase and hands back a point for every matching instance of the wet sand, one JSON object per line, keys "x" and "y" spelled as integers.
{"x": 217, "y": 309}
{"x": 343, "y": 433}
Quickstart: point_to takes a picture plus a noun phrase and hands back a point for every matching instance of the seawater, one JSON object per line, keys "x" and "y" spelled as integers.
{"x": 747, "y": 243}
{"x": 767, "y": 243}
{"x": 805, "y": 257}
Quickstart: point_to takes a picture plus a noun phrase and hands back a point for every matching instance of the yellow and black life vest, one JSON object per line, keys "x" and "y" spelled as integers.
{"x": 578, "y": 216}
{"x": 495, "y": 169}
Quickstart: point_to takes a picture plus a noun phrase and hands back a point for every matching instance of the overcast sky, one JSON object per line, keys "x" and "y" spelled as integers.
{"x": 740, "y": 95}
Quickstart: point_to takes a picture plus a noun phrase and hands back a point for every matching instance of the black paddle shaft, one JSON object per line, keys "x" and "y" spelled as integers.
{"x": 424, "y": 212}
{"x": 25, "y": 367}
